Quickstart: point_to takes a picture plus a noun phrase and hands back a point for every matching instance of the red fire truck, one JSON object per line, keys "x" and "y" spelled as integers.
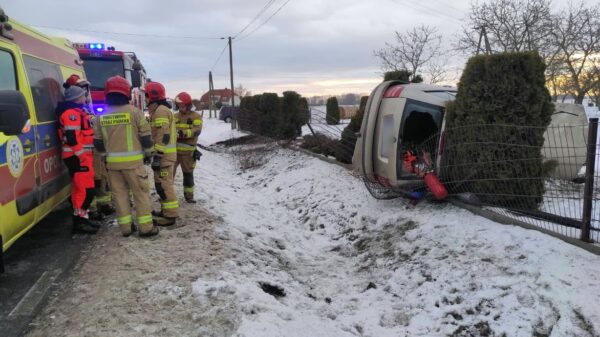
{"x": 101, "y": 62}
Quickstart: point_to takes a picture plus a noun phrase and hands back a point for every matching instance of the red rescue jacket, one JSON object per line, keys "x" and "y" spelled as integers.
{"x": 76, "y": 132}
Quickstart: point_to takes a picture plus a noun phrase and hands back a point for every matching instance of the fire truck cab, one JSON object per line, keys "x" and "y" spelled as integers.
{"x": 101, "y": 62}
{"x": 33, "y": 178}
{"x": 398, "y": 117}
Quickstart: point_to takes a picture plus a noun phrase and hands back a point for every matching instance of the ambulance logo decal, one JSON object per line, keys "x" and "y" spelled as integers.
{"x": 15, "y": 157}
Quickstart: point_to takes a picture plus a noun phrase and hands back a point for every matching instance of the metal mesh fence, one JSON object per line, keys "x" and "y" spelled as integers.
{"x": 504, "y": 168}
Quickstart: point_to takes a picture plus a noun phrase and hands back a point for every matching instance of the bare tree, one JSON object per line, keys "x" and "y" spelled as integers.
{"x": 413, "y": 50}
{"x": 576, "y": 35}
{"x": 510, "y": 26}
{"x": 241, "y": 91}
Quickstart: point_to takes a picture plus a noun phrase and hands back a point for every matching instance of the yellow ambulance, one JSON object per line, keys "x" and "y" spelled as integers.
{"x": 33, "y": 179}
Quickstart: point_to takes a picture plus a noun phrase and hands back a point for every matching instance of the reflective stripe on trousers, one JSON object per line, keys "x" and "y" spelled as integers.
{"x": 185, "y": 147}
{"x": 125, "y": 220}
{"x": 170, "y": 204}
{"x": 170, "y": 148}
{"x": 121, "y": 157}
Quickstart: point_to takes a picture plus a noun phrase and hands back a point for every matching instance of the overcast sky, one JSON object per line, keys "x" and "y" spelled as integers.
{"x": 315, "y": 47}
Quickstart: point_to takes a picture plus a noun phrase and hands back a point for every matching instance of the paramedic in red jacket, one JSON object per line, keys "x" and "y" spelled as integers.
{"x": 77, "y": 135}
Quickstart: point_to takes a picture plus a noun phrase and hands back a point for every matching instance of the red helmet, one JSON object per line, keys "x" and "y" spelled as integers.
{"x": 183, "y": 98}
{"x": 73, "y": 79}
{"x": 119, "y": 85}
{"x": 155, "y": 91}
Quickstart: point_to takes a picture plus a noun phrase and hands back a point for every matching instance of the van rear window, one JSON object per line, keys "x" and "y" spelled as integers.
{"x": 8, "y": 78}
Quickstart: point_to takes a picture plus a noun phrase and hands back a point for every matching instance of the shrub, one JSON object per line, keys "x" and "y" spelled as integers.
{"x": 319, "y": 143}
{"x": 291, "y": 115}
{"x": 333, "y": 111}
{"x": 402, "y": 75}
{"x": 500, "y": 89}
{"x": 348, "y": 140}
{"x": 272, "y": 116}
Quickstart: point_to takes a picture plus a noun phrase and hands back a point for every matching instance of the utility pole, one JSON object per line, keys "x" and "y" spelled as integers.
{"x": 210, "y": 96}
{"x": 483, "y": 35}
{"x": 234, "y": 119}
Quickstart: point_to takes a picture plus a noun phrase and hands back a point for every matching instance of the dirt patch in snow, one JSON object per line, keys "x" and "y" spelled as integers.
{"x": 142, "y": 287}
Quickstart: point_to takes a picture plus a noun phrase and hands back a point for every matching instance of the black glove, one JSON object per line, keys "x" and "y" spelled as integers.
{"x": 197, "y": 155}
{"x": 156, "y": 162}
{"x": 180, "y": 134}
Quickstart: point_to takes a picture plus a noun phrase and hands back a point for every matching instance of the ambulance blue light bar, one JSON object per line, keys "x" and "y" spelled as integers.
{"x": 96, "y": 46}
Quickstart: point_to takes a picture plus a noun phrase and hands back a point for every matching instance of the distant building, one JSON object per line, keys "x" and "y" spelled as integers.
{"x": 219, "y": 95}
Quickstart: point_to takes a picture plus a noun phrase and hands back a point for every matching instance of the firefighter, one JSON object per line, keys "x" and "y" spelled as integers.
{"x": 77, "y": 135}
{"x": 164, "y": 136}
{"x": 123, "y": 134}
{"x": 102, "y": 204}
{"x": 189, "y": 126}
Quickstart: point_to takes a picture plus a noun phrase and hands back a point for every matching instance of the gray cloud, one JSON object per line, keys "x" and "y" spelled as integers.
{"x": 314, "y": 46}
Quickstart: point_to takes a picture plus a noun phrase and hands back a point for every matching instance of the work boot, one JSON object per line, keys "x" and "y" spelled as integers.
{"x": 154, "y": 231}
{"x": 83, "y": 226}
{"x": 96, "y": 216}
{"x": 157, "y": 213}
{"x": 133, "y": 230}
{"x": 164, "y": 221}
{"x": 107, "y": 209}
{"x": 189, "y": 198}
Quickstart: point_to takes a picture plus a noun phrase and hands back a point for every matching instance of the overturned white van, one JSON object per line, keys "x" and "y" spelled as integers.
{"x": 399, "y": 115}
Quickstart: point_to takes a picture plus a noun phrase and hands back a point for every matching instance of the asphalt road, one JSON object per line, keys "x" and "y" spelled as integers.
{"x": 33, "y": 266}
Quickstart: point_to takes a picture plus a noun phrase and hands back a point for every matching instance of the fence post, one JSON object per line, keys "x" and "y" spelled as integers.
{"x": 588, "y": 192}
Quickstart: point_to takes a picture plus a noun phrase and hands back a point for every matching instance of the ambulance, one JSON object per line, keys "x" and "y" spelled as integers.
{"x": 33, "y": 179}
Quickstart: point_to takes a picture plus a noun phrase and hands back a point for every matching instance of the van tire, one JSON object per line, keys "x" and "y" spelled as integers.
{"x": 228, "y": 120}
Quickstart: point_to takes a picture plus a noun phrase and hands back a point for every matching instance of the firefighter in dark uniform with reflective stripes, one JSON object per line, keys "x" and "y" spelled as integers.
{"x": 164, "y": 134}
{"x": 77, "y": 136}
{"x": 124, "y": 135}
{"x": 189, "y": 126}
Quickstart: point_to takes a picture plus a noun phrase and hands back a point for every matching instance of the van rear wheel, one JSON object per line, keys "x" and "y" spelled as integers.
{"x": 228, "y": 120}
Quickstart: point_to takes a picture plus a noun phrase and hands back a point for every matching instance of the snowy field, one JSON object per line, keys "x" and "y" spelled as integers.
{"x": 298, "y": 248}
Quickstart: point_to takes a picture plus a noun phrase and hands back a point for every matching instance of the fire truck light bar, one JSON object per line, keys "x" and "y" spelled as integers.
{"x": 97, "y": 46}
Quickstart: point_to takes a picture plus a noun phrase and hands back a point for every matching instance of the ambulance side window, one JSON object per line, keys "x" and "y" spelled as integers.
{"x": 45, "y": 80}
{"x": 8, "y": 78}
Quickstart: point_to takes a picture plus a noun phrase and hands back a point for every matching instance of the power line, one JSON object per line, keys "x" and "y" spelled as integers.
{"x": 130, "y": 34}
{"x": 264, "y": 22}
{"x": 219, "y": 58}
{"x": 265, "y": 7}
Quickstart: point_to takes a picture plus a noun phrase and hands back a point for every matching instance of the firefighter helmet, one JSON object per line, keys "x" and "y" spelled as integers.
{"x": 119, "y": 85}
{"x": 73, "y": 79}
{"x": 183, "y": 98}
{"x": 154, "y": 92}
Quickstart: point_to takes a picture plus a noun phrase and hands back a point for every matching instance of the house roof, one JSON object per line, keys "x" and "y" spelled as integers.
{"x": 224, "y": 94}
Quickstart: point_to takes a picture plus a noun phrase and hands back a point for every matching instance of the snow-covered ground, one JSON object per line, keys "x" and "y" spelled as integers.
{"x": 215, "y": 130}
{"x": 297, "y": 247}
{"x": 319, "y": 124}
